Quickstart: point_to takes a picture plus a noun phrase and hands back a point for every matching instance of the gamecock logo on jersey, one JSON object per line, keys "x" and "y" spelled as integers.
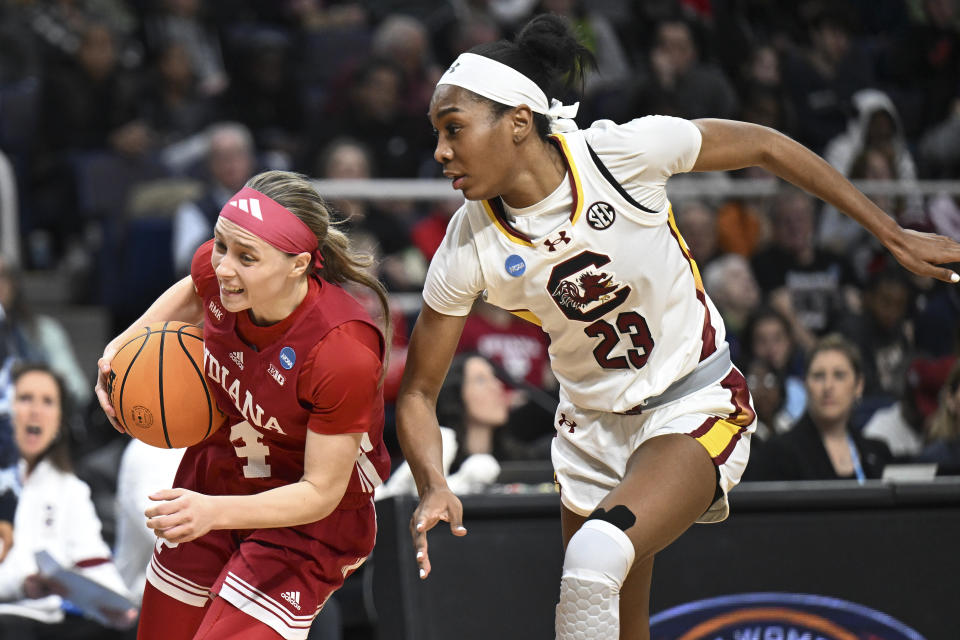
{"x": 584, "y": 292}
{"x": 590, "y": 287}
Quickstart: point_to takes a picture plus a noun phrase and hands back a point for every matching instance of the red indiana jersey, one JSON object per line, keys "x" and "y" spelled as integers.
{"x": 269, "y": 392}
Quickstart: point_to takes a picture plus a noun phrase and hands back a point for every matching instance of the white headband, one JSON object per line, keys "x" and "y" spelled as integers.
{"x": 506, "y": 85}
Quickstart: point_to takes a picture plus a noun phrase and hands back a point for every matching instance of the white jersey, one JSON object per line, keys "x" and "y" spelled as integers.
{"x": 613, "y": 283}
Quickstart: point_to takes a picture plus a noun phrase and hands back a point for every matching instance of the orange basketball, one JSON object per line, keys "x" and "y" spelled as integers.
{"x": 158, "y": 388}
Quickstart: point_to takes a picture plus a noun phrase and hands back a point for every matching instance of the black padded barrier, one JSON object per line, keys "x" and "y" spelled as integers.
{"x": 891, "y": 547}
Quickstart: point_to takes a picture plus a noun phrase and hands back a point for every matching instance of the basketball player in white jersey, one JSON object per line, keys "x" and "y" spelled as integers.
{"x": 572, "y": 229}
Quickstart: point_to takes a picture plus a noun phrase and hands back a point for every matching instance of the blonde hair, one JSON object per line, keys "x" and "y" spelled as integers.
{"x": 341, "y": 263}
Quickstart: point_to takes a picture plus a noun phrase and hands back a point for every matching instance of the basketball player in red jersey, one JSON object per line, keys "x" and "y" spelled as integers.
{"x": 272, "y": 512}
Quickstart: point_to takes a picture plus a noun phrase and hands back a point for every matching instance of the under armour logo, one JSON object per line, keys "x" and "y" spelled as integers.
{"x": 453, "y": 67}
{"x": 563, "y": 422}
{"x": 250, "y": 205}
{"x": 552, "y": 244}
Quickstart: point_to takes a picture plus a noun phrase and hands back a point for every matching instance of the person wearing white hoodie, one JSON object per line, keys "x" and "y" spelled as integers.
{"x": 875, "y": 124}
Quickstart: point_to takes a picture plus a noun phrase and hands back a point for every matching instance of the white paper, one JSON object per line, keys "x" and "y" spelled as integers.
{"x": 87, "y": 595}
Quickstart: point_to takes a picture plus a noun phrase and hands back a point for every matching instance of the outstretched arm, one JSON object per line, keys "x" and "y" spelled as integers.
{"x": 728, "y": 145}
{"x": 432, "y": 346}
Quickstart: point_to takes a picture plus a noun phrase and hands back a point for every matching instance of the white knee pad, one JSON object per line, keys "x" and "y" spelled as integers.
{"x": 598, "y": 558}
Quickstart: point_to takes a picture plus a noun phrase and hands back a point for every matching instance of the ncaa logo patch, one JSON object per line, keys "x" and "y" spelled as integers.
{"x": 287, "y": 357}
{"x": 601, "y": 215}
{"x": 515, "y": 265}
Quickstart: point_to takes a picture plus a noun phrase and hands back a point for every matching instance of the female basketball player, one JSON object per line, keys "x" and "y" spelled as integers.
{"x": 271, "y": 513}
{"x": 572, "y": 230}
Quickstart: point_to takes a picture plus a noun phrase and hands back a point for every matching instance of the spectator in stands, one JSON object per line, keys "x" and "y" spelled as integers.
{"x": 809, "y": 286}
{"x": 54, "y": 514}
{"x": 37, "y": 337}
{"x": 697, "y": 223}
{"x": 823, "y": 445}
{"x": 769, "y": 393}
{"x": 924, "y": 64}
{"x": 371, "y": 111}
{"x": 729, "y": 282}
{"x": 265, "y": 95}
{"x": 231, "y": 160}
{"x": 873, "y": 147}
{"x": 89, "y": 103}
{"x": 173, "y": 105}
{"x": 400, "y": 265}
{"x": 516, "y": 345}
{"x": 944, "y": 435}
{"x": 185, "y": 21}
{"x": 880, "y": 332}
{"x": 473, "y": 401}
{"x": 404, "y": 39}
{"x": 605, "y": 87}
{"x": 824, "y": 75}
{"x": 905, "y": 425}
{"x": 768, "y": 336}
{"x": 679, "y": 82}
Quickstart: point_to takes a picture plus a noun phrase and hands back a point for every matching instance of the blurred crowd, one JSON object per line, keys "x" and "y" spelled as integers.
{"x": 128, "y": 123}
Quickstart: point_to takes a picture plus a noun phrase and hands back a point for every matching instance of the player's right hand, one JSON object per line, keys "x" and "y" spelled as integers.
{"x": 102, "y": 388}
{"x": 435, "y": 505}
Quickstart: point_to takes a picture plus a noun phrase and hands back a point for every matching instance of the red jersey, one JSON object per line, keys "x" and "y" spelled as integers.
{"x": 316, "y": 369}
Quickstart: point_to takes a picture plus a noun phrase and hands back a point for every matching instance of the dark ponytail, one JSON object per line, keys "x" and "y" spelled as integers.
{"x": 548, "y": 51}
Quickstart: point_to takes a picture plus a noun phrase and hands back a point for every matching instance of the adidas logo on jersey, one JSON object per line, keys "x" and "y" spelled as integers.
{"x": 293, "y": 597}
{"x": 249, "y": 205}
{"x": 237, "y": 357}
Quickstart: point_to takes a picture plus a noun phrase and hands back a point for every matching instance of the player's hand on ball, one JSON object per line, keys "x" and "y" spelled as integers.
{"x": 102, "y": 387}
{"x": 181, "y": 515}
{"x": 435, "y": 505}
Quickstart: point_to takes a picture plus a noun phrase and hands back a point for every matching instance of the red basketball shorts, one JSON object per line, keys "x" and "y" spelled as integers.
{"x": 280, "y": 577}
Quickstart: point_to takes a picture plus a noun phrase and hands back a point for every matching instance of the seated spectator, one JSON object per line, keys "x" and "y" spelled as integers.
{"x": 185, "y": 21}
{"x": 873, "y": 147}
{"x": 768, "y": 337}
{"x": 824, "y": 75}
{"x": 944, "y": 436}
{"x": 472, "y": 407}
{"x": 38, "y": 337}
{"x": 88, "y": 104}
{"x": 474, "y": 403}
{"x": 54, "y": 514}
{"x": 697, "y": 224}
{"x": 518, "y": 346}
{"x": 405, "y": 40}
{"x": 231, "y": 161}
{"x": 822, "y": 445}
{"x": 905, "y": 425}
{"x": 369, "y": 108}
{"x": 769, "y": 395}
{"x": 811, "y": 287}
{"x": 401, "y": 267}
{"x": 729, "y": 282}
{"x": 679, "y": 83}
{"x": 173, "y": 106}
{"x": 880, "y": 332}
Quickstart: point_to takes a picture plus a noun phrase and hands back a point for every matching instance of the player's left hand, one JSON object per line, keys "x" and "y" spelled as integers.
{"x": 182, "y": 515}
{"x": 922, "y": 253}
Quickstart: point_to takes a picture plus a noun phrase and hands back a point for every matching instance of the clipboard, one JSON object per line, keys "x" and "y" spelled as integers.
{"x": 85, "y": 594}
